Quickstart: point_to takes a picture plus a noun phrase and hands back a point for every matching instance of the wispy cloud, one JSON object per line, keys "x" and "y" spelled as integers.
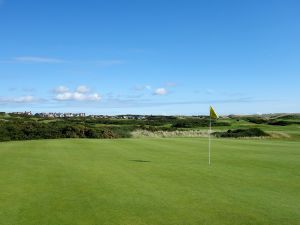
{"x": 82, "y": 89}
{"x": 233, "y": 94}
{"x": 108, "y": 63}
{"x": 157, "y": 91}
{"x": 171, "y": 84}
{"x": 141, "y": 103}
{"x": 229, "y": 93}
{"x": 28, "y": 89}
{"x": 5, "y": 61}
{"x": 160, "y": 91}
{"x": 32, "y": 59}
{"x": 82, "y": 93}
{"x": 50, "y": 60}
{"x": 12, "y": 89}
{"x": 60, "y": 89}
{"x": 20, "y": 100}
{"x": 142, "y": 87}
{"x": 36, "y": 59}
{"x": 137, "y": 50}
{"x": 210, "y": 91}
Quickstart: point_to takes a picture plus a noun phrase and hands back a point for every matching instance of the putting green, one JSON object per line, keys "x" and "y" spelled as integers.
{"x": 149, "y": 181}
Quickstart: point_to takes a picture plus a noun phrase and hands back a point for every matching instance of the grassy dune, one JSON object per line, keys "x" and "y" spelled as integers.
{"x": 149, "y": 181}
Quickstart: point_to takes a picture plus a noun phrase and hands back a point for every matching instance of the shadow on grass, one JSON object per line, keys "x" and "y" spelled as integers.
{"x": 139, "y": 161}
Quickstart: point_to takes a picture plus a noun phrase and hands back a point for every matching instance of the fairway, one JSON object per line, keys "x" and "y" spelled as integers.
{"x": 149, "y": 181}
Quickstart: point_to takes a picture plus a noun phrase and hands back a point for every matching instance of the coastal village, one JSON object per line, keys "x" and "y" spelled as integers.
{"x": 71, "y": 115}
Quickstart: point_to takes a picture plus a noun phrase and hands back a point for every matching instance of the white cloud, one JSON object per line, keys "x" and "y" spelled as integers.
{"x": 82, "y": 89}
{"x": 160, "y": 91}
{"x": 76, "y": 96}
{"x": 61, "y": 89}
{"x": 36, "y": 59}
{"x": 64, "y": 96}
{"x": 82, "y": 93}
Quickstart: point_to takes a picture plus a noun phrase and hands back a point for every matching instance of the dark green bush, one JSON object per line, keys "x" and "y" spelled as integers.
{"x": 256, "y": 120}
{"x": 282, "y": 122}
{"x": 194, "y": 123}
{"x": 251, "y": 132}
{"x": 18, "y": 129}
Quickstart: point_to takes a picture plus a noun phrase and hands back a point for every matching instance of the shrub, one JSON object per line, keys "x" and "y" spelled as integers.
{"x": 251, "y": 132}
{"x": 256, "y": 120}
{"x": 20, "y": 129}
{"x": 282, "y": 122}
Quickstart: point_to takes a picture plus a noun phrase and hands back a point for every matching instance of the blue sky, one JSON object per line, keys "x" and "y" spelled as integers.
{"x": 150, "y": 56}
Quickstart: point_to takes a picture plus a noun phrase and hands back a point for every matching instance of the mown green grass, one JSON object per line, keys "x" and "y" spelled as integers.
{"x": 149, "y": 181}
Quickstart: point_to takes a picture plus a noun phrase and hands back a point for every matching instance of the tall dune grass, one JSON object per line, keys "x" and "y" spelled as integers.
{"x": 167, "y": 134}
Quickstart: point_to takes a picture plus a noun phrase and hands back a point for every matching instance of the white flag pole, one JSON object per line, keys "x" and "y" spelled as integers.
{"x": 209, "y": 141}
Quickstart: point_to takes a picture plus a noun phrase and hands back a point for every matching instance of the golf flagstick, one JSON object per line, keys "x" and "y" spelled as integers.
{"x": 212, "y": 115}
{"x": 209, "y": 142}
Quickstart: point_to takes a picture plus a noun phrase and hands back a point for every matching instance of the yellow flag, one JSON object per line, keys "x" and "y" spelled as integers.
{"x": 213, "y": 114}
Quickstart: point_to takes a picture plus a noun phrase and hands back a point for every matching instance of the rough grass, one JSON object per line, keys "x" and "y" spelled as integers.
{"x": 169, "y": 134}
{"x": 149, "y": 181}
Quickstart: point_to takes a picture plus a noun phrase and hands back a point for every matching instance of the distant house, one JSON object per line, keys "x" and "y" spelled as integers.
{"x": 59, "y": 115}
{"x": 79, "y": 114}
{"x": 68, "y": 115}
{"x": 28, "y": 113}
{"x": 22, "y": 113}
